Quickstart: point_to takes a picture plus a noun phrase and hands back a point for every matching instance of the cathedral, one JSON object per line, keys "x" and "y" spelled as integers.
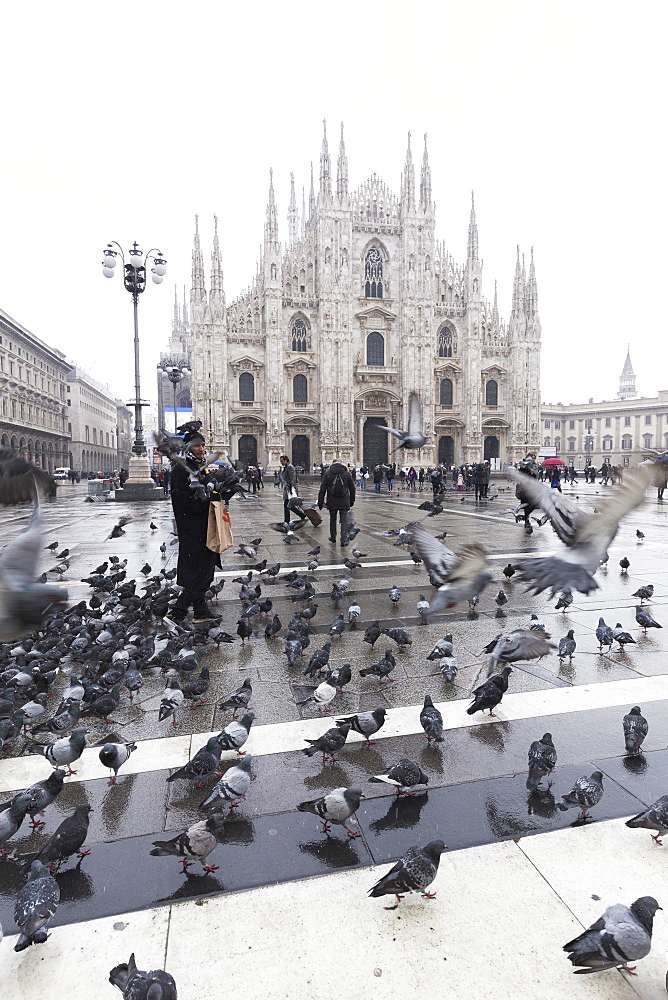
{"x": 358, "y": 307}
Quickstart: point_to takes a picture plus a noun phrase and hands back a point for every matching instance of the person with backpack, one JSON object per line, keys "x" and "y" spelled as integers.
{"x": 364, "y": 472}
{"x": 337, "y": 493}
{"x": 377, "y": 477}
{"x": 436, "y": 480}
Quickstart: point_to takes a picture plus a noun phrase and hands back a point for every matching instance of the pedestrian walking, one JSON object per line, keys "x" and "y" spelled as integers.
{"x": 420, "y": 479}
{"x": 364, "y": 473}
{"x": 289, "y": 482}
{"x": 411, "y": 478}
{"x": 337, "y": 493}
{"x": 377, "y": 477}
{"x": 390, "y": 474}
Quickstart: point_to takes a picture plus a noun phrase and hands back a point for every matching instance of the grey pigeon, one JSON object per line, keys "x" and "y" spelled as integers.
{"x": 635, "y": 730}
{"x": 171, "y": 701}
{"x": 65, "y": 751}
{"x": 35, "y": 904}
{"x": 198, "y": 841}
{"x": 653, "y": 818}
{"x": 413, "y": 437}
{"x": 622, "y": 637}
{"x": 622, "y": 935}
{"x": 235, "y": 734}
{"x": 535, "y": 625}
{"x": 542, "y": 760}
{"x": 205, "y": 762}
{"x": 448, "y": 667}
{"x": 399, "y": 635}
{"x": 329, "y": 742}
{"x": 66, "y": 841}
{"x": 137, "y": 985}
{"x": 42, "y": 794}
{"x": 644, "y": 593}
{"x": 365, "y": 723}
{"x": 395, "y": 594}
{"x": 457, "y": 577}
{"x": 238, "y": 699}
{"x": 644, "y": 619}
{"x": 431, "y": 721}
{"x": 604, "y": 634}
{"x": 567, "y": 645}
{"x": 423, "y": 609}
{"x": 12, "y": 815}
{"x": 382, "y": 669}
{"x": 336, "y": 807}
{"x": 489, "y": 694}
{"x": 414, "y": 872}
{"x": 520, "y": 644}
{"x": 404, "y": 775}
{"x": 114, "y": 755}
{"x": 585, "y": 793}
{"x": 232, "y": 787}
{"x": 564, "y": 601}
{"x": 62, "y": 720}
{"x": 444, "y": 647}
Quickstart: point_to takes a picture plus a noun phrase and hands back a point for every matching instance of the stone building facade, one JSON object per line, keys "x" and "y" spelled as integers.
{"x": 176, "y": 353}
{"x": 361, "y": 306}
{"x": 93, "y": 422}
{"x": 33, "y": 408}
{"x": 619, "y": 431}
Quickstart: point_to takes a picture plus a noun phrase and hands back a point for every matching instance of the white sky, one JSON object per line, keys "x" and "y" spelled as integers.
{"x": 120, "y": 121}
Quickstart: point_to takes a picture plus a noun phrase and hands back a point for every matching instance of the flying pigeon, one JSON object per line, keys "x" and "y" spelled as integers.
{"x": 413, "y": 437}
{"x": 622, "y": 935}
{"x": 336, "y": 807}
{"x": 585, "y": 793}
{"x": 455, "y": 577}
{"x": 520, "y": 644}
{"x": 137, "y": 985}
{"x": 404, "y": 775}
{"x": 35, "y": 904}
{"x": 231, "y": 789}
{"x": 653, "y": 818}
{"x": 635, "y": 730}
{"x": 414, "y": 872}
{"x": 198, "y": 841}
{"x": 542, "y": 760}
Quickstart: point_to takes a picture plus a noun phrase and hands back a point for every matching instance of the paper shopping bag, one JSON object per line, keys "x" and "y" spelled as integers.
{"x": 219, "y": 529}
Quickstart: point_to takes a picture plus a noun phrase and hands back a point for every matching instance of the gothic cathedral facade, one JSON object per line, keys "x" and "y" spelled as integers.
{"x": 361, "y": 307}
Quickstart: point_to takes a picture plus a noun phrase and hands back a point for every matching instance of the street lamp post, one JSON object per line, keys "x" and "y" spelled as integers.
{"x": 141, "y": 486}
{"x": 175, "y": 372}
{"x": 589, "y": 444}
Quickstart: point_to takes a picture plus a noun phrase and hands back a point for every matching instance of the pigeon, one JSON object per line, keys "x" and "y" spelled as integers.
{"x": 404, "y": 775}
{"x": 318, "y": 661}
{"x": 635, "y": 730}
{"x": 622, "y": 637}
{"x": 622, "y": 935}
{"x": 198, "y": 841}
{"x": 564, "y": 601}
{"x": 431, "y": 721}
{"x": 314, "y": 551}
{"x": 624, "y": 563}
{"x": 358, "y": 554}
{"x": 653, "y": 818}
{"x": 604, "y": 634}
{"x": 448, "y": 667}
{"x": 328, "y": 743}
{"x": 273, "y": 627}
{"x": 365, "y": 723}
{"x": 238, "y": 699}
{"x": 10, "y": 729}
{"x": 196, "y": 689}
{"x": 501, "y": 599}
{"x": 337, "y": 627}
{"x": 336, "y": 807}
{"x": 153, "y": 527}
{"x": 489, "y": 694}
{"x": 114, "y": 755}
{"x": 205, "y": 762}
{"x": 423, "y": 609}
{"x": 231, "y": 789}
{"x": 53, "y": 546}
{"x": 11, "y": 817}
{"x": 640, "y": 535}
{"x": 372, "y": 634}
{"x": 117, "y": 529}
{"x": 322, "y": 695}
{"x": 66, "y": 751}
{"x": 414, "y": 872}
{"x": 455, "y": 577}
{"x": 354, "y": 612}
{"x": 244, "y": 630}
{"x": 586, "y": 537}
{"x": 66, "y": 841}
{"x": 20, "y": 481}
{"x": 163, "y": 549}
{"x": 644, "y": 593}
{"x": 542, "y": 760}
{"x": 104, "y": 705}
{"x": 42, "y": 794}
{"x": 400, "y": 636}
{"x": 416, "y": 558}
{"x": 413, "y": 437}
{"x": 535, "y": 625}
{"x": 35, "y": 904}
{"x": 567, "y": 645}
{"x": 382, "y": 669}
{"x": 509, "y": 571}
{"x": 395, "y": 594}
{"x": 443, "y": 647}
{"x": 137, "y": 985}
{"x": 645, "y": 620}
{"x": 171, "y": 701}
{"x": 235, "y": 734}
{"x": 520, "y": 644}
{"x": 585, "y": 793}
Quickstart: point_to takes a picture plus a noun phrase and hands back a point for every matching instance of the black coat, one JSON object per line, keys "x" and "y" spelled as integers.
{"x": 325, "y": 495}
{"x": 196, "y": 563}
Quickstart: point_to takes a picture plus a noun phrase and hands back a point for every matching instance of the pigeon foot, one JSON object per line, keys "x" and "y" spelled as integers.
{"x": 210, "y": 868}
{"x": 186, "y": 864}
{"x": 429, "y": 895}
{"x": 326, "y": 827}
{"x": 353, "y": 834}
{"x": 83, "y": 854}
{"x": 628, "y": 968}
{"x": 656, "y": 837}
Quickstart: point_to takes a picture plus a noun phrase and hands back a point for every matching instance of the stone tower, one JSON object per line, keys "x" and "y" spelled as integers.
{"x": 627, "y": 380}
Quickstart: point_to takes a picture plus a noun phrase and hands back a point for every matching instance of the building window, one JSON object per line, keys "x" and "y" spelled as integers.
{"x": 546, "y": 442}
{"x": 87, "y": 429}
{"x": 607, "y": 444}
{"x": 571, "y": 425}
{"x": 446, "y": 392}
{"x": 373, "y": 274}
{"x": 571, "y": 444}
{"x": 299, "y": 389}
{"x": 647, "y": 441}
{"x": 648, "y": 418}
{"x": 445, "y": 342}
{"x": 492, "y": 393}
{"x": 299, "y": 339}
{"x": 588, "y": 424}
{"x": 375, "y": 349}
{"x": 627, "y": 443}
{"x": 547, "y": 425}
{"x": 246, "y": 387}
{"x": 608, "y": 422}
{"x": 627, "y": 421}
{"x": 557, "y": 424}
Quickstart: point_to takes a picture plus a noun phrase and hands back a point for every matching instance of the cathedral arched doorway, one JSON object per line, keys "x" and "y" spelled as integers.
{"x": 301, "y": 451}
{"x": 491, "y": 449}
{"x": 248, "y": 449}
{"x": 446, "y": 450}
{"x": 375, "y": 441}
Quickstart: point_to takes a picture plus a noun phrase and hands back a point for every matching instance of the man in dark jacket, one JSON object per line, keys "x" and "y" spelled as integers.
{"x": 288, "y": 476}
{"x": 337, "y": 492}
{"x": 196, "y": 563}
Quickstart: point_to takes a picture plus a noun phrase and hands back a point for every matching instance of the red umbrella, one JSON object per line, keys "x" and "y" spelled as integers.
{"x": 552, "y": 461}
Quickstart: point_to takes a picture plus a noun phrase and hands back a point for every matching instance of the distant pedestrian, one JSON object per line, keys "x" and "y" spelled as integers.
{"x": 364, "y": 473}
{"x": 337, "y": 493}
{"x": 420, "y": 479}
{"x": 390, "y": 474}
{"x": 412, "y": 478}
{"x": 377, "y": 477}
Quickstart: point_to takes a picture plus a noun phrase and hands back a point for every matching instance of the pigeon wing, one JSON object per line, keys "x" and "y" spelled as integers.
{"x": 439, "y": 560}
{"x": 596, "y": 533}
{"x": 19, "y": 480}
{"x": 565, "y": 517}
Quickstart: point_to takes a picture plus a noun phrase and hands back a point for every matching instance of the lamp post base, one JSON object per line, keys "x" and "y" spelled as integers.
{"x": 139, "y": 485}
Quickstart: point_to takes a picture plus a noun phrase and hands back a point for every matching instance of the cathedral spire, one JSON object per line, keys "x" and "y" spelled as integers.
{"x": 311, "y": 197}
{"x": 532, "y": 289}
{"x": 518, "y": 288}
{"x": 198, "y": 290}
{"x": 177, "y": 315}
{"x": 425, "y": 180}
{"x": 325, "y": 165}
{"x": 342, "y": 170}
{"x": 216, "y": 265}
{"x": 271, "y": 224}
{"x": 408, "y": 180}
{"x": 495, "y": 309}
{"x": 184, "y": 314}
{"x": 293, "y": 214}
{"x": 472, "y": 250}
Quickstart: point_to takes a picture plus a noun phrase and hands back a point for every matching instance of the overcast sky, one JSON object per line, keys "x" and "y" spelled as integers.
{"x": 119, "y": 122}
